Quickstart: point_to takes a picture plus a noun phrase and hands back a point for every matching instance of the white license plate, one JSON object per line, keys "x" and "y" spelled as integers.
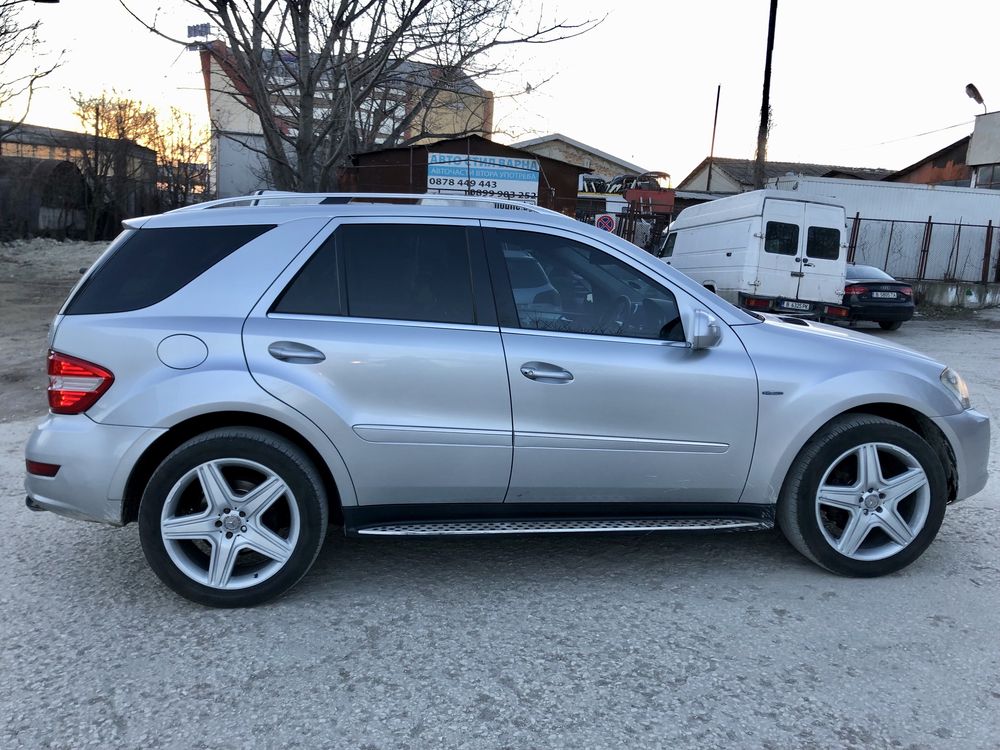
{"x": 884, "y": 295}
{"x": 790, "y": 305}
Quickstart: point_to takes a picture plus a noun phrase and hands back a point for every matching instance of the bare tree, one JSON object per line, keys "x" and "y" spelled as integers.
{"x": 19, "y": 40}
{"x": 182, "y": 160}
{"x": 114, "y": 156}
{"x": 327, "y": 78}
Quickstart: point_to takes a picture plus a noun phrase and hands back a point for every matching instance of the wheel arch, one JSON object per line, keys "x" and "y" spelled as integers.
{"x": 907, "y": 417}
{"x": 185, "y": 430}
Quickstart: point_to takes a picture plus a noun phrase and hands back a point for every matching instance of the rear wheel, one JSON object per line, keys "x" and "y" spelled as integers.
{"x": 233, "y": 518}
{"x": 865, "y": 497}
{"x": 890, "y": 325}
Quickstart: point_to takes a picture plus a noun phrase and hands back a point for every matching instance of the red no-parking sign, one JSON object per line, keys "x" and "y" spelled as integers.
{"x": 605, "y": 222}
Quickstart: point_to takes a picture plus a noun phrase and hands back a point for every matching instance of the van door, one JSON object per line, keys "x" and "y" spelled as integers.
{"x": 781, "y": 244}
{"x": 823, "y": 262}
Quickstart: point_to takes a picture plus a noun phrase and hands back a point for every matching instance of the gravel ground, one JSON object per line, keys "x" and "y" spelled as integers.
{"x": 548, "y": 642}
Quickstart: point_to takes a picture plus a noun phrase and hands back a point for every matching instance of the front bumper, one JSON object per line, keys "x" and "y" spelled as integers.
{"x": 969, "y": 435}
{"x": 94, "y": 464}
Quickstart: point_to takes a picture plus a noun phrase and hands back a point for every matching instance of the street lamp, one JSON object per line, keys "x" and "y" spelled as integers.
{"x": 974, "y": 94}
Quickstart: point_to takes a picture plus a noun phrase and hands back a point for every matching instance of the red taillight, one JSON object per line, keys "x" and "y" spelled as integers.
{"x": 836, "y": 311}
{"x": 39, "y": 469}
{"x": 760, "y": 303}
{"x": 907, "y": 290}
{"x": 75, "y": 384}
{"x": 855, "y": 289}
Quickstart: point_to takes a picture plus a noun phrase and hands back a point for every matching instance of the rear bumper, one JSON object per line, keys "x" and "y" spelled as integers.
{"x": 94, "y": 464}
{"x": 877, "y": 312}
{"x": 781, "y": 305}
{"x": 969, "y": 435}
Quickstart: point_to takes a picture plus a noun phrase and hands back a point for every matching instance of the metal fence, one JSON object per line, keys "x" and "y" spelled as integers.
{"x": 935, "y": 251}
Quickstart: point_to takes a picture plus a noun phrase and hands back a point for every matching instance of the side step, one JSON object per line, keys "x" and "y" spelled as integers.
{"x": 562, "y": 526}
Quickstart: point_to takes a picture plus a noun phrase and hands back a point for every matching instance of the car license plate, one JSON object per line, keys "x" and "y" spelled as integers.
{"x": 790, "y": 305}
{"x": 884, "y": 295}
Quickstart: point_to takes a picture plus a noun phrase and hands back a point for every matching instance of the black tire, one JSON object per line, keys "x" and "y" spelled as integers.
{"x": 890, "y": 325}
{"x": 797, "y": 513}
{"x": 279, "y": 456}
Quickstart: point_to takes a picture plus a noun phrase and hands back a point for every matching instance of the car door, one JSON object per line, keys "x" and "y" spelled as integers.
{"x": 386, "y": 337}
{"x": 781, "y": 256}
{"x": 609, "y": 401}
{"x": 823, "y": 259}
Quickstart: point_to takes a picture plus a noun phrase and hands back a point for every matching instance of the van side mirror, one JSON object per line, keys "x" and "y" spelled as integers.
{"x": 705, "y": 330}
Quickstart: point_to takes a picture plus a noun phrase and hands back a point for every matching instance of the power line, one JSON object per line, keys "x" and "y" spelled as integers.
{"x": 920, "y": 135}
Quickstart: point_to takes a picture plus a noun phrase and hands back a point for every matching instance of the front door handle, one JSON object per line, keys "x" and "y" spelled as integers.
{"x": 545, "y": 373}
{"x": 296, "y": 353}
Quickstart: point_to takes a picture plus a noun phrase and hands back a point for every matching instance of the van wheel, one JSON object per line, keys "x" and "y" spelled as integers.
{"x": 233, "y": 517}
{"x": 890, "y": 325}
{"x": 865, "y": 497}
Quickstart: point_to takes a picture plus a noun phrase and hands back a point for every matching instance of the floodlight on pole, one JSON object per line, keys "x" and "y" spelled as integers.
{"x": 974, "y": 94}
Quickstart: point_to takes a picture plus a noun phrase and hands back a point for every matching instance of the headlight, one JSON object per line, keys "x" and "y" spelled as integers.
{"x": 954, "y": 383}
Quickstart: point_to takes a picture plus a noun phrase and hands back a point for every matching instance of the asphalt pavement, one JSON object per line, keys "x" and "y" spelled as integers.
{"x": 623, "y": 641}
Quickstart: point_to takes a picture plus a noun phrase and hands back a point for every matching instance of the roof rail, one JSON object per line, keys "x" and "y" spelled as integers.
{"x": 277, "y": 197}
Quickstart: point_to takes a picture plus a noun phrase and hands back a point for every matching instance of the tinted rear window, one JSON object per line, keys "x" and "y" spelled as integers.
{"x": 823, "y": 243}
{"x": 781, "y": 238}
{"x": 867, "y": 272}
{"x": 152, "y": 264}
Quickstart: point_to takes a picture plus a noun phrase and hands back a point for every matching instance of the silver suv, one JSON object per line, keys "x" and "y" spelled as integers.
{"x": 237, "y": 376}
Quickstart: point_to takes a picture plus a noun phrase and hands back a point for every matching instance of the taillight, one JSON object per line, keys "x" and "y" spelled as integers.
{"x": 907, "y": 290}
{"x": 836, "y": 311}
{"x": 75, "y": 384}
{"x": 41, "y": 469}
{"x": 855, "y": 289}
{"x": 760, "y": 303}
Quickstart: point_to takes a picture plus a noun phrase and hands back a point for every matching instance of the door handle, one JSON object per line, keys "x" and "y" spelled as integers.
{"x": 544, "y": 372}
{"x": 809, "y": 263}
{"x": 296, "y": 353}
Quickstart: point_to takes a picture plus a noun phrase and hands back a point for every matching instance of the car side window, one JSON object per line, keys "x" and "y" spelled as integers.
{"x": 416, "y": 272}
{"x": 781, "y": 238}
{"x": 823, "y": 243}
{"x": 566, "y": 286}
{"x": 316, "y": 288}
{"x": 668, "y": 245}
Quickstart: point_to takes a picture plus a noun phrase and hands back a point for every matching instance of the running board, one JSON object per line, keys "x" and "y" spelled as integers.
{"x": 564, "y": 525}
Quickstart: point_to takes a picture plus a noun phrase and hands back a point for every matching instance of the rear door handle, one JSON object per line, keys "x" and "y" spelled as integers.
{"x": 296, "y": 353}
{"x": 545, "y": 372}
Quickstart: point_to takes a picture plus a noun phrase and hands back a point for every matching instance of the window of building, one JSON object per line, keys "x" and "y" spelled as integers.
{"x": 988, "y": 177}
{"x": 566, "y": 286}
{"x": 781, "y": 238}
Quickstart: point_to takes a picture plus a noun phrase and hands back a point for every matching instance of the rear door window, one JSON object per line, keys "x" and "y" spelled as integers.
{"x": 781, "y": 238}
{"x": 416, "y": 272}
{"x": 153, "y": 264}
{"x": 823, "y": 243}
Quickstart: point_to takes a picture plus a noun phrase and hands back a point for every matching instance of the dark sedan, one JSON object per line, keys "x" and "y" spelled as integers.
{"x": 871, "y": 294}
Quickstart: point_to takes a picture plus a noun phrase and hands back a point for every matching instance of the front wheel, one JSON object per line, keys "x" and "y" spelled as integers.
{"x": 233, "y": 517}
{"x": 864, "y": 497}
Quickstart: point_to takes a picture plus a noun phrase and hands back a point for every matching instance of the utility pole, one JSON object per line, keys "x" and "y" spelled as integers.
{"x": 765, "y": 104}
{"x": 711, "y": 153}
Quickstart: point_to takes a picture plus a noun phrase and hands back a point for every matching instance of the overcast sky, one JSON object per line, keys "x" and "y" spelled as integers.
{"x": 854, "y": 83}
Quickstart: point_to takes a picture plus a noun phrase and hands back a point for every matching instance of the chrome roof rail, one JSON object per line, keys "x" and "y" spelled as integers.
{"x": 277, "y": 197}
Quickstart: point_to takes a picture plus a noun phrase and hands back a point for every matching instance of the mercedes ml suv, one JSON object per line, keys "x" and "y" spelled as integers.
{"x": 240, "y": 375}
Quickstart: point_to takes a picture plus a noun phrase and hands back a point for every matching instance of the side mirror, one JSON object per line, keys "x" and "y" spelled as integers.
{"x": 705, "y": 330}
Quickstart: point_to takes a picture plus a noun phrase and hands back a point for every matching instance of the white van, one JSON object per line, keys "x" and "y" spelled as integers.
{"x": 765, "y": 250}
